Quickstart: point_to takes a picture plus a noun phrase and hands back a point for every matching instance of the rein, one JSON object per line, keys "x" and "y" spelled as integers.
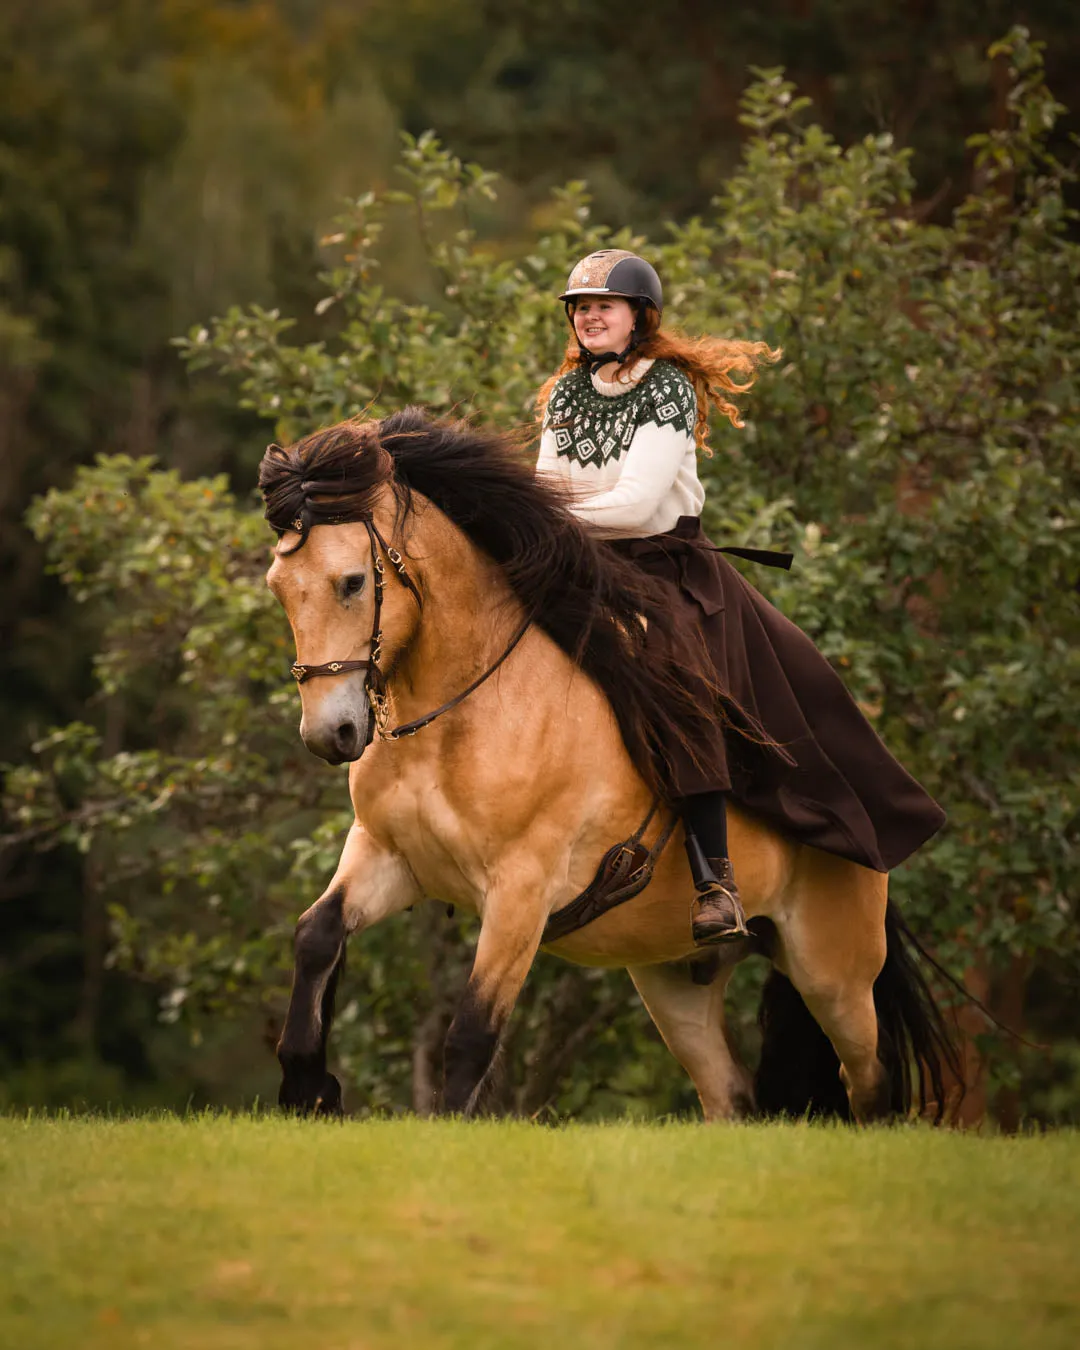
{"x": 375, "y": 682}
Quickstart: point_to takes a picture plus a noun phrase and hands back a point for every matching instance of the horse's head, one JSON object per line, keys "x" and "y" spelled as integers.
{"x": 327, "y": 592}
{"x": 332, "y": 501}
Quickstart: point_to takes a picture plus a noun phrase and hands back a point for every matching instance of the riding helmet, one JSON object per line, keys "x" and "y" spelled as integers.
{"x": 614, "y": 271}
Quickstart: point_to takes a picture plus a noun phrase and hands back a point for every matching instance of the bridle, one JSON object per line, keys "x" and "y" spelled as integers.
{"x": 375, "y": 681}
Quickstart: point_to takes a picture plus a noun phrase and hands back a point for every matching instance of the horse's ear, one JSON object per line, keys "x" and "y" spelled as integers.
{"x": 408, "y": 422}
{"x": 271, "y": 463}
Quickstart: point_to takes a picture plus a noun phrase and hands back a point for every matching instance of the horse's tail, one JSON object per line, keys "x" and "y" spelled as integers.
{"x": 799, "y": 1072}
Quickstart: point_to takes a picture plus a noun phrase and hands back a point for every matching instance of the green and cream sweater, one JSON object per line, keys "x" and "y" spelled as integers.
{"x": 625, "y": 451}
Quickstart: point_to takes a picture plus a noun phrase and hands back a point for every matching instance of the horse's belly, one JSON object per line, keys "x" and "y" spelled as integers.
{"x": 653, "y": 927}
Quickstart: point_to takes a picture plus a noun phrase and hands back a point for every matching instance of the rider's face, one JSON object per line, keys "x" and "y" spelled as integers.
{"x": 603, "y": 323}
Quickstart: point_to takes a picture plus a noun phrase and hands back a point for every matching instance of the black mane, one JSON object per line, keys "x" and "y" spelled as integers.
{"x": 593, "y": 603}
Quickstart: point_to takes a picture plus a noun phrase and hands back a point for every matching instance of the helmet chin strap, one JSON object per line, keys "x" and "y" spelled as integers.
{"x": 594, "y": 360}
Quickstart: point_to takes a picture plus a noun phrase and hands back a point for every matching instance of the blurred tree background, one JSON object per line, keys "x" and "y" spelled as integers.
{"x": 161, "y": 163}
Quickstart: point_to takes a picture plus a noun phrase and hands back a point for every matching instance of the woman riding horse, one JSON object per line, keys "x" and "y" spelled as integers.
{"x": 623, "y": 419}
{"x": 513, "y": 695}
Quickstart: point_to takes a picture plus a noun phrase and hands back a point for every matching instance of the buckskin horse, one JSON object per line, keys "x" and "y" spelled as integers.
{"x": 480, "y": 662}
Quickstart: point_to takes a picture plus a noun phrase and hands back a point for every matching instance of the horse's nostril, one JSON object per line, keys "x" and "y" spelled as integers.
{"x": 345, "y": 738}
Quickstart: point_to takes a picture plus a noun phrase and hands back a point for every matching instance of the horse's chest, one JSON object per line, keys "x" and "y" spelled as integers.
{"x": 442, "y": 845}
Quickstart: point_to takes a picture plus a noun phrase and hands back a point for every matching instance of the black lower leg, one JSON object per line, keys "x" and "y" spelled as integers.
{"x": 718, "y": 914}
{"x": 705, "y": 815}
{"x": 468, "y": 1053}
{"x": 320, "y": 958}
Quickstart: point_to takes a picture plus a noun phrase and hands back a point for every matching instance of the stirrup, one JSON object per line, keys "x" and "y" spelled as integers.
{"x": 718, "y": 915}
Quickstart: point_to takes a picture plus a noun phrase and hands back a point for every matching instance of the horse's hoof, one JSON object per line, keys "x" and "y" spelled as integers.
{"x": 313, "y": 1097}
{"x": 328, "y": 1102}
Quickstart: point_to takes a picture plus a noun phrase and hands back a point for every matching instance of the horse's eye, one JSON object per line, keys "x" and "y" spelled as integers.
{"x": 351, "y": 586}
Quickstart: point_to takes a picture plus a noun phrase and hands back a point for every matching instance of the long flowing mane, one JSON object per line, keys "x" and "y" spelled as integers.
{"x": 594, "y": 604}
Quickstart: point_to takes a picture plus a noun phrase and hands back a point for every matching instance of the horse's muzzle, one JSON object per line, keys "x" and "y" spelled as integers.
{"x": 340, "y": 731}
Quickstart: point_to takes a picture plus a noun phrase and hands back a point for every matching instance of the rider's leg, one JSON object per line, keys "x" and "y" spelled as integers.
{"x": 718, "y": 913}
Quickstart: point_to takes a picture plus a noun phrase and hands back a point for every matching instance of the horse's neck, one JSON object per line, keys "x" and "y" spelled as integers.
{"x": 530, "y": 749}
{"x": 469, "y": 620}
{"x": 469, "y": 614}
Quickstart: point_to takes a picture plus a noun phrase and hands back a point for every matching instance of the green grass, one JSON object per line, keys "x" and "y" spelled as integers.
{"x": 260, "y": 1232}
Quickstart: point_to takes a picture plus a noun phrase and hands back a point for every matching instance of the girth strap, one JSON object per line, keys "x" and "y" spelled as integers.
{"x": 625, "y": 870}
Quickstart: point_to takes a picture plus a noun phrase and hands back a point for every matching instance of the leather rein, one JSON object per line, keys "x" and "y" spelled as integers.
{"x": 375, "y": 681}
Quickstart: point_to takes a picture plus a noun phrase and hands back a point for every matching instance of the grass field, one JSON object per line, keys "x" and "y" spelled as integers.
{"x": 260, "y": 1232}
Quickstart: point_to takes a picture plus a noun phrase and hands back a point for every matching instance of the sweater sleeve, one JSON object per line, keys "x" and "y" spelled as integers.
{"x": 547, "y": 462}
{"x": 652, "y": 465}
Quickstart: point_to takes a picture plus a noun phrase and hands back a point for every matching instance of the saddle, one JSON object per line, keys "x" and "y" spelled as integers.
{"x": 625, "y": 870}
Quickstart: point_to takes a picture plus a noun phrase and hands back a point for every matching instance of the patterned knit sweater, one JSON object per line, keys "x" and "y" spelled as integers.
{"x": 625, "y": 451}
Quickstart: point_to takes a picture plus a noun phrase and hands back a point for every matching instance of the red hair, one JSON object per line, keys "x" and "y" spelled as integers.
{"x": 709, "y": 363}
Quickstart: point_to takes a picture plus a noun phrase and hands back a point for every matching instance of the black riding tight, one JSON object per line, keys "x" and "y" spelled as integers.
{"x": 705, "y": 815}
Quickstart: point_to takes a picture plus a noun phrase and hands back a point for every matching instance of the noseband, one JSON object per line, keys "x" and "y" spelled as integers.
{"x": 375, "y": 685}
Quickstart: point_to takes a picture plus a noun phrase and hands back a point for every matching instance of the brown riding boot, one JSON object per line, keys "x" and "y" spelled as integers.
{"x": 718, "y": 914}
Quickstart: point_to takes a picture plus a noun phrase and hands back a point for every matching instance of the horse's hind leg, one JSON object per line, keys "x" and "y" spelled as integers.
{"x": 367, "y": 885}
{"x": 690, "y": 1017}
{"x": 832, "y": 948}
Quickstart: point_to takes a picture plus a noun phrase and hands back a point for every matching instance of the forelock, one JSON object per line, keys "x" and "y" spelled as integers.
{"x": 328, "y": 478}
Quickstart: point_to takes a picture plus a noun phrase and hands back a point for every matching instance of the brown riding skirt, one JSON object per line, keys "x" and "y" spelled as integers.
{"x": 827, "y": 780}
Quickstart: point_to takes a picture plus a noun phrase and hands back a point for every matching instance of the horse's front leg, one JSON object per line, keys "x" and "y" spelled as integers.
{"x": 515, "y": 911}
{"x": 369, "y": 884}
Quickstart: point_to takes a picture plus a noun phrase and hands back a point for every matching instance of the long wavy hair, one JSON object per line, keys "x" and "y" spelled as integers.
{"x": 717, "y": 368}
{"x": 596, "y": 605}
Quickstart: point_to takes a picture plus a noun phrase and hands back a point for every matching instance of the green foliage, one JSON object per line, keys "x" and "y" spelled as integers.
{"x": 483, "y": 350}
{"x": 644, "y": 103}
{"x": 917, "y": 444}
{"x": 157, "y": 163}
{"x": 195, "y": 652}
